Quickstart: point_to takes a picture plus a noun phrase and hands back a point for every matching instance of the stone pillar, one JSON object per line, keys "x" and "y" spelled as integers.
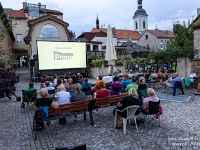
{"x": 100, "y": 47}
{"x": 91, "y": 47}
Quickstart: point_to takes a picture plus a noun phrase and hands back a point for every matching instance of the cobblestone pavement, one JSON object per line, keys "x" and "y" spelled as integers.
{"x": 179, "y": 125}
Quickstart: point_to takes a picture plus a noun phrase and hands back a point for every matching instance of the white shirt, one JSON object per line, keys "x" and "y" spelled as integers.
{"x": 63, "y": 97}
{"x": 55, "y": 82}
{"x": 192, "y": 77}
{"x": 130, "y": 75}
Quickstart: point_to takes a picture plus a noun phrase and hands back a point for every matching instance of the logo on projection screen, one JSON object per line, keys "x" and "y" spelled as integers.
{"x": 62, "y": 56}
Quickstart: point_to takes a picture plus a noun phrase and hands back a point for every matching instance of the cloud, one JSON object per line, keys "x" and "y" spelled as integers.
{"x": 81, "y": 15}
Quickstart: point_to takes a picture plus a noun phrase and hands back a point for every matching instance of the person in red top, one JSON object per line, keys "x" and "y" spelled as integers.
{"x": 102, "y": 92}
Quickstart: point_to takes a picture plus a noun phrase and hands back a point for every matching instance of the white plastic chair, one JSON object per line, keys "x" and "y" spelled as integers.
{"x": 130, "y": 114}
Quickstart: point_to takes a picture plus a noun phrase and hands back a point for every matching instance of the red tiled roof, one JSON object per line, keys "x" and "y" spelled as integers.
{"x": 88, "y": 35}
{"x": 162, "y": 33}
{"x": 121, "y": 33}
{"x": 17, "y": 14}
{"x": 53, "y": 11}
{"x": 101, "y": 34}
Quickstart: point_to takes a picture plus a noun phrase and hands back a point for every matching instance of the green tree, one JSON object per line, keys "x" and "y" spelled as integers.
{"x": 5, "y": 29}
{"x": 181, "y": 46}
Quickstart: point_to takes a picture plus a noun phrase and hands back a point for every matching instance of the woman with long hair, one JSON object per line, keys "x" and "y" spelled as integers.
{"x": 131, "y": 99}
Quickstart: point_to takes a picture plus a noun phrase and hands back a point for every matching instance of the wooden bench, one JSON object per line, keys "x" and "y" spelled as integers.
{"x": 65, "y": 110}
{"x": 103, "y": 102}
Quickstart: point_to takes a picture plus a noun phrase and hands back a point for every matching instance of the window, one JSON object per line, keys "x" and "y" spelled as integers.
{"x": 19, "y": 37}
{"x": 136, "y": 25}
{"x": 144, "y": 25}
{"x": 146, "y": 37}
{"x": 49, "y": 31}
{"x": 17, "y": 21}
{"x": 161, "y": 44}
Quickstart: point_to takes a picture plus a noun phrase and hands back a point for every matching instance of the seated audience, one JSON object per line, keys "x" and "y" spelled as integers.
{"x": 47, "y": 86}
{"x": 71, "y": 87}
{"x": 160, "y": 75}
{"x": 30, "y": 88}
{"x": 153, "y": 76}
{"x": 115, "y": 86}
{"x": 55, "y": 77}
{"x": 80, "y": 79}
{"x": 151, "y": 97}
{"x": 48, "y": 79}
{"x": 142, "y": 86}
{"x": 132, "y": 85}
{"x": 131, "y": 99}
{"x": 147, "y": 75}
{"x": 192, "y": 75}
{"x": 130, "y": 74}
{"x": 74, "y": 79}
{"x": 45, "y": 101}
{"x": 42, "y": 81}
{"x": 102, "y": 92}
{"x": 62, "y": 96}
{"x": 171, "y": 81}
{"x": 78, "y": 95}
{"x": 86, "y": 87}
{"x": 125, "y": 83}
{"x": 65, "y": 82}
{"x": 59, "y": 82}
{"x": 115, "y": 74}
{"x": 98, "y": 82}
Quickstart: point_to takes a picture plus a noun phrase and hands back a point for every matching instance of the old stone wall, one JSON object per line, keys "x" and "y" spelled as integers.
{"x": 196, "y": 65}
{"x": 183, "y": 67}
{"x": 197, "y": 42}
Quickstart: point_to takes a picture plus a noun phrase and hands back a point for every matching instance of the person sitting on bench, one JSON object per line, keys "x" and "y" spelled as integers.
{"x": 45, "y": 101}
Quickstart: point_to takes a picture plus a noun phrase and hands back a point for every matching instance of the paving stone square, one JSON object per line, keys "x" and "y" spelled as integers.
{"x": 180, "y": 127}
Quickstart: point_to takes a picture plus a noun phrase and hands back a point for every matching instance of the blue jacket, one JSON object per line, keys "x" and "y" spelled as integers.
{"x": 124, "y": 84}
{"x": 45, "y": 111}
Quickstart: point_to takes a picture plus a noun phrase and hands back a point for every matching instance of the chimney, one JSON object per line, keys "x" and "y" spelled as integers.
{"x": 198, "y": 11}
{"x": 24, "y": 5}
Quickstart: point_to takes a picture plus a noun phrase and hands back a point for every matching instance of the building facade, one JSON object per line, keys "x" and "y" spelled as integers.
{"x": 35, "y": 22}
{"x": 155, "y": 39}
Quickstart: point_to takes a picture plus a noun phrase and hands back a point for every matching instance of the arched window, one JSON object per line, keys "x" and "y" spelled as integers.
{"x": 136, "y": 25}
{"x": 144, "y": 24}
{"x": 49, "y": 31}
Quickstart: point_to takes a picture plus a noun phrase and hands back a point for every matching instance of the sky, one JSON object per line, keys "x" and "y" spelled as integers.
{"x": 81, "y": 14}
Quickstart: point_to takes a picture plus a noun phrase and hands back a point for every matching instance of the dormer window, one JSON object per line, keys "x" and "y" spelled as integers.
{"x": 161, "y": 44}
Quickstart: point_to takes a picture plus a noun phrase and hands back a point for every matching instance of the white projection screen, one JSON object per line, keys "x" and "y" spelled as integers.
{"x": 61, "y": 55}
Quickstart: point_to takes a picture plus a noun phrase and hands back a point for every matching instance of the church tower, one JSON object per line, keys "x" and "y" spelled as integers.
{"x": 97, "y": 22}
{"x": 140, "y": 19}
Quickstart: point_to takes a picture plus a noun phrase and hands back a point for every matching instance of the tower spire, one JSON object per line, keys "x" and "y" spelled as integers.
{"x": 97, "y": 22}
{"x": 139, "y": 4}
